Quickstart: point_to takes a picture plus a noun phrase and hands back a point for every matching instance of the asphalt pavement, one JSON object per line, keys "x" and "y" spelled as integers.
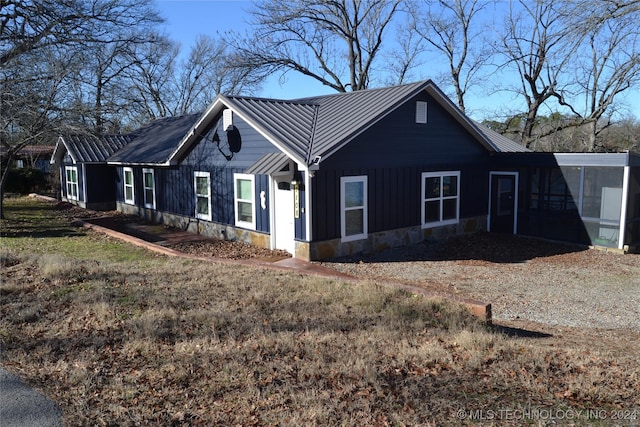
{"x": 22, "y": 406}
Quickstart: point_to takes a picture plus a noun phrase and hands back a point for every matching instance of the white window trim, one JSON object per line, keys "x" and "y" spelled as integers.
{"x": 149, "y": 204}
{"x": 365, "y": 222}
{"x": 197, "y": 175}
{"x": 67, "y": 169}
{"x": 245, "y": 224}
{"x": 442, "y": 198}
{"x": 132, "y": 200}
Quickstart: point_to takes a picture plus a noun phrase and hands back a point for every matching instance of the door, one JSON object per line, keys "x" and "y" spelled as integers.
{"x": 503, "y": 202}
{"x": 283, "y": 232}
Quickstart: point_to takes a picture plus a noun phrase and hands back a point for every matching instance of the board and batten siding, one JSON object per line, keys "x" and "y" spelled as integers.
{"x": 393, "y": 154}
{"x": 175, "y": 185}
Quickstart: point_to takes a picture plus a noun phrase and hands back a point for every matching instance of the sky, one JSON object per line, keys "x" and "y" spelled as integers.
{"x": 186, "y": 19}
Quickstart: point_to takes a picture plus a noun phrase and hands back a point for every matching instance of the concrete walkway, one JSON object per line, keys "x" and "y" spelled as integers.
{"x": 22, "y": 406}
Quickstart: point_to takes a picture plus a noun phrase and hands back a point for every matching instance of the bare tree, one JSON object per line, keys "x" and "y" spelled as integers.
{"x": 162, "y": 85}
{"x": 450, "y": 29}
{"x": 537, "y": 46}
{"x": 37, "y": 38}
{"x": 607, "y": 63}
{"x": 336, "y": 42}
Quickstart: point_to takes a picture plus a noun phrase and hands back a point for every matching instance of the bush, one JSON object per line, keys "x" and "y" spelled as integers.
{"x": 25, "y": 180}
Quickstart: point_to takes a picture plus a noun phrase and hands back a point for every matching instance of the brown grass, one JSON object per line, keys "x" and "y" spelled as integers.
{"x": 162, "y": 341}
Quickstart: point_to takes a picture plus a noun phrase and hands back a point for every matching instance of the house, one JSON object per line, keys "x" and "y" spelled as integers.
{"x": 85, "y": 178}
{"x": 30, "y": 156}
{"x": 340, "y": 174}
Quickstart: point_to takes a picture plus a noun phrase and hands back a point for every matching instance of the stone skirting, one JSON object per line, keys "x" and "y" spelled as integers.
{"x": 394, "y": 238}
{"x": 198, "y": 226}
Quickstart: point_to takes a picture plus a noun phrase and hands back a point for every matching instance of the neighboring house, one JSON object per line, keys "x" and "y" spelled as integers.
{"x": 361, "y": 171}
{"x": 31, "y": 156}
{"x": 85, "y": 178}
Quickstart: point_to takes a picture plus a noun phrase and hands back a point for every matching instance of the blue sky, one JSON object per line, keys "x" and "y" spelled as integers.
{"x": 186, "y": 19}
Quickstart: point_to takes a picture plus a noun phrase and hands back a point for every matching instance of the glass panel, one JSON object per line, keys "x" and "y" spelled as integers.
{"x": 244, "y": 189}
{"x": 203, "y": 205}
{"x": 148, "y": 196}
{"x": 128, "y": 177}
{"x": 432, "y": 187}
{"x": 432, "y": 211}
{"x": 603, "y": 235}
{"x": 449, "y": 186}
{"x": 245, "y": 211}
{"x": 148, "y": 180}
{"x": 128, "y": 193}
{"x": 449, "y": 209}
{"x": 353, "y": 194}
{"x": 354, "y": 222}
{"x": 202, "y": 186}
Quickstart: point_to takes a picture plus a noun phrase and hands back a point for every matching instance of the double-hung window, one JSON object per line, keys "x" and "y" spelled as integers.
{"x": 244, "y": 196}
{"x": 71, "y": 173}
{"x": 149, "y": 188}
{"x": 202, "y": 185}
{"x": 353, "y": 207}
{"x": 129, "y": 196}
{"x": 440, "y": 198}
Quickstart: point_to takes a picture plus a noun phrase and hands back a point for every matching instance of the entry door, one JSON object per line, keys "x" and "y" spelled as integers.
{"x": 503, "y": 202}
{"x": 283, "y": 233}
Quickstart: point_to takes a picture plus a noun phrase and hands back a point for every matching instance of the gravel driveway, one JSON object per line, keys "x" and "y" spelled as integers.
{"x": 524, "y": 279}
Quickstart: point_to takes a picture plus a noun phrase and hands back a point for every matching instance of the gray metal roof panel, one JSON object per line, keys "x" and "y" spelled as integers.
{"x": 94, "y": 149}
{"x": 501, "y": 142}
{"x": 268, "y": 164}
{"x": 288, "y": 124}
{"x": 155, "y": 142}
{"x": 341, "y": 117}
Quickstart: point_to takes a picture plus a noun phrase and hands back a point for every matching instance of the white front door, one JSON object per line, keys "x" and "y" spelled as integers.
{"x": 283, "y": 232}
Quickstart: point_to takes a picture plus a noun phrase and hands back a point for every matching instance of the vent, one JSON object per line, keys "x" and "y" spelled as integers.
{"x": 421, "y": 112}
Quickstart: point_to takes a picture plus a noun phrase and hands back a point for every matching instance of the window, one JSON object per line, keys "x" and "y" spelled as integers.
{"x": 19, "y": 163}
{"x": 244, "y": 196}
{"x": 202, "y": 184}
{"x": 71, "y": 173}
{"x": 149, "y": 188}
{"x": 421, "y": 112}
{"x": 440, "y": 198}
{"x": 128, "y": 186}
{"x": 353, "y": 207}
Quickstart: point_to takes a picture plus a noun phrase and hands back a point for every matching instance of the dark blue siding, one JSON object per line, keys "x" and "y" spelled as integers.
{"x": 393, "y": 154}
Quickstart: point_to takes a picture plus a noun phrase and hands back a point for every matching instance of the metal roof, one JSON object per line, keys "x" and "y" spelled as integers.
{"x": 90, "y": 148}
{"x": 288, "y": 124}
{"x": 342, "y": 117}
{"x": 153, "y": 144}
{"x": 268, "y": 164}
{"x": 501, "y": 142}
{"x": 305, "y": 129}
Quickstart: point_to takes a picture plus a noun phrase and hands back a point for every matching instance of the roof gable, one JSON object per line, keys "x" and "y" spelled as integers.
{"x": 89, "y": 148}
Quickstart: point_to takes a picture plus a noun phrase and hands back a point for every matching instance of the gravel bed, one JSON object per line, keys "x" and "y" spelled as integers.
{"x": 523, "y": 279}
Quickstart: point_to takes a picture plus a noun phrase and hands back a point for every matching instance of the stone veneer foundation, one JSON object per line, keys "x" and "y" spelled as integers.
{"x": 314, "y": 250}
{"x": 394, "y": 238}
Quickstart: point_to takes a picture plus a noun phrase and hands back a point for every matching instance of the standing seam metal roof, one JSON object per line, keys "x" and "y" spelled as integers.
{"x": 94, "y": 149}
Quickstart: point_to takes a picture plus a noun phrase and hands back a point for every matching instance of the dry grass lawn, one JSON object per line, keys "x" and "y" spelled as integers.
{"x": 120, "y": 336}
